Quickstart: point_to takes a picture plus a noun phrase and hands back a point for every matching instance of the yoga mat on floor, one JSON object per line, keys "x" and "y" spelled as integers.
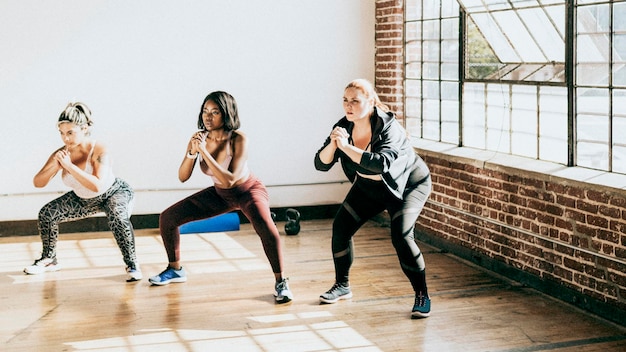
{"x": 223, "y": 222}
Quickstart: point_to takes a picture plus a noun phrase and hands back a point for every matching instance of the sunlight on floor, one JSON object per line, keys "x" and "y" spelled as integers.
{"x": 100, "y": 257}
{"x": 302, "y": 336}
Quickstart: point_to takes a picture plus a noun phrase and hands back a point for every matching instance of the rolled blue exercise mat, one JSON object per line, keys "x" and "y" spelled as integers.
{"x": 219, "y": 223}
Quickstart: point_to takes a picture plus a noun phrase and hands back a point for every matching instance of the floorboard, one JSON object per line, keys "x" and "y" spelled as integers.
{"x": 227, "y": 303}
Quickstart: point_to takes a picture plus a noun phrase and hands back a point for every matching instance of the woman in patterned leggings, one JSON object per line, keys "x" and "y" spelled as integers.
{"x": 387, "y": 174}
{"x": 85, "y": 168}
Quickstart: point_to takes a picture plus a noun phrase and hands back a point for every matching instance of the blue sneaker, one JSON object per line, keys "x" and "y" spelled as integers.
{"x": 169, "y": 275}
{"x": 337, "y": 292}
{"x": 421, "y": 308}
{"x": 282, "y": 294}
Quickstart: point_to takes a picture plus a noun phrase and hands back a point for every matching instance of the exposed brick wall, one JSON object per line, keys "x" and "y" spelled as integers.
{"x": 560, "y": 231}
{"x": 566, "y": 238}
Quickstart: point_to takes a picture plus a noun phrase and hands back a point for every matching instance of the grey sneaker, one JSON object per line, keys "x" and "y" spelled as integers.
{"x": 133, "y": 274}
{"x": 421, "y": 307}
{"x": 42, "y": 265}
{"x": 282, "y": 292}
{"x": 337, "y": 292}
{"x": 169, "y": 275}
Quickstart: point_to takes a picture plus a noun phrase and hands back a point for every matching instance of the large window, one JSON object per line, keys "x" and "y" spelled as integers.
{"x": 514, "y": 76}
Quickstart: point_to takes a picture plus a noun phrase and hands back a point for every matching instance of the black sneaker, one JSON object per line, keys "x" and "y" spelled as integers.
{"x": 337, "y": 292}
{"x": 421, "y": 308}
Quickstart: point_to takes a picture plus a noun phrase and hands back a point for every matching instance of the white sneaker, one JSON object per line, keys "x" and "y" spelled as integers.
{"x": 42, "y": 265}
{"x": 133, "y": 274}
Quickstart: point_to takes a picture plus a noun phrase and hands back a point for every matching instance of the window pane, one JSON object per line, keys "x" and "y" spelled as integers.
{"x": 449, "y": 8}
{"x": 619, "y": 17}
{"x": 450, "y": 91}
{"x": 414, "y": 127}
{"x": 553, "y": 124}
{"x": 593, "y": 155}
{"x": 450, "y": 28}
{"x": 431, "y": 30}
{"x": 557, "y": 16}
{"x": 619, "y": 159}
{"x": 413, "y": 10}
{"x": 619, "y": 60}
{"x": 474, "y": 115}
{"x": 498, "y": 123}
{"x": 450, "y": 112}
{"x": 431, "y": 70}
{"x": 412, "y": 105}
{"x": 450, "y": 50}
{"x": 431, "y": 112}
{"x": 548, "y": 73}
{"x": 496, "y": 39}
{"x": 592, "y": 128}
{"x": 592, "y": 74}
{"x": 482, "y": 62}
{"x": 450, "y": 71}
{"x": 519, "y": 37}
{"x": 431, "y": 9}
{"x": 595, "y": 48}
{"x": 472, "y": 6}
{"x": 497, "y": 4}
{"x": 619, "y": 128}
{"x": 413, "y": 88}
{"x": 413, "y": 120}
{"x": 592, "y": 102}
{"x": 413, "y": 70}
{"x": 593, "y": 19}
{"x": 431, "y": 129}
{"x": 581, "y": 2}
{"x": 544, "y": 33}
{"x": 450, "y": 131}
{"x": 524, "y": 121}
{"x": 413, "y": 31}
{"x": 431, "y": 51}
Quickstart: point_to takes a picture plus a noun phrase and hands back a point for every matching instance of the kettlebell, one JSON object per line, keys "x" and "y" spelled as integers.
{"x": 292, "y": 227}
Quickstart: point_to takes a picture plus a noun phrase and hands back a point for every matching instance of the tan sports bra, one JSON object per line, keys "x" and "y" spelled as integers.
{"x": 225, "y": 163}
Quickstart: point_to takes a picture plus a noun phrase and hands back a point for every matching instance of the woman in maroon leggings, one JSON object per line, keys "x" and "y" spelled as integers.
{"x": 221, "y": 151}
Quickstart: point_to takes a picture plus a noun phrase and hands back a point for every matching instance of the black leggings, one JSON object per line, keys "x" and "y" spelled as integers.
{"x": 368, "y": 198}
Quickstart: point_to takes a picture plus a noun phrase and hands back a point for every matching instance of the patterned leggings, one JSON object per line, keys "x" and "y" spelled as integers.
{"x": 116, "y": 203}
{"x": 367, "y": 198}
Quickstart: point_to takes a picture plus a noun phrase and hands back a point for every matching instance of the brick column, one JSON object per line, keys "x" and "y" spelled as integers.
{"x": 389, "y": 59}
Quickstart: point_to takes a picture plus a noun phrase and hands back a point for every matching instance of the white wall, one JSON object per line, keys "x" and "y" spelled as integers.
{"x": 144, "y": 67}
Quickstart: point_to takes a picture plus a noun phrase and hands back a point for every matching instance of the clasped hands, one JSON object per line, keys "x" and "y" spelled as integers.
{"x": 198, "y": 142}
{"x": 63, "y": 158}
{"x": 340, "y": 137}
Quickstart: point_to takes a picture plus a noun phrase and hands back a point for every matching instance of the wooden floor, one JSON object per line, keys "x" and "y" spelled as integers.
{"x": 227, "y": 303}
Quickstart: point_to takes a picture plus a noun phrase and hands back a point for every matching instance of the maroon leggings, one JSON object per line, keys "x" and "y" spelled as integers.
{"x": 250, "y": 197}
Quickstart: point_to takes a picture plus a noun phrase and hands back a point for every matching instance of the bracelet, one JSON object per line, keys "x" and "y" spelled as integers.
{"x": 191, "y": 156}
